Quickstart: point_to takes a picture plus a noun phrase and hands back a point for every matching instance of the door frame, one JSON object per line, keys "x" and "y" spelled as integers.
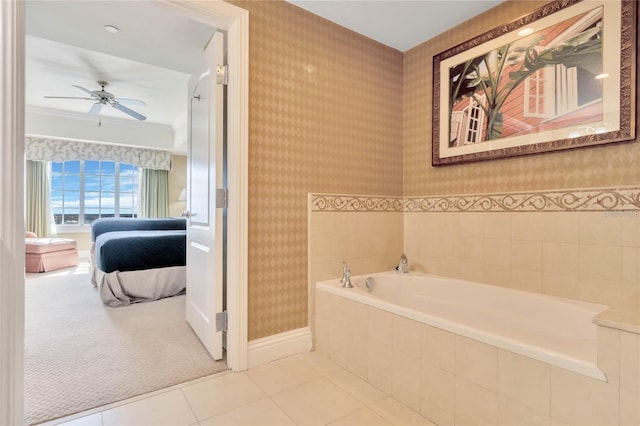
{"x": 227, "y": 17}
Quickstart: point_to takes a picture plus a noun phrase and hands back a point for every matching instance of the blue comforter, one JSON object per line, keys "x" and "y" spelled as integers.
{"x": 136, "y": 250}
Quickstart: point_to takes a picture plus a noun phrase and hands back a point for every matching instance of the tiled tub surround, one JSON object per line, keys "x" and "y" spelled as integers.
{"x": 582, "y": 245}
{"x": 558, "y": 331}
{"x": 453, "y": 379}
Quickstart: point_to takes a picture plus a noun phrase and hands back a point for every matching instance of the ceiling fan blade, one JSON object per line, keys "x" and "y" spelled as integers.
{"x": 130, "y": 101}
{"x": 96, "y": 108}
{"x": 93, "y": 95}
{"x": 67, "y": 97}
{"x": 128, "y": 111}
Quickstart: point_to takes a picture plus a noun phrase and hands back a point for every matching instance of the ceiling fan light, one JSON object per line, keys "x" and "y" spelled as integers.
{"x": 112, "y": 29}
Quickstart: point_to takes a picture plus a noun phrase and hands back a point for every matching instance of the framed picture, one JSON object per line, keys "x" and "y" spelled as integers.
{"x": 560, "y": 77}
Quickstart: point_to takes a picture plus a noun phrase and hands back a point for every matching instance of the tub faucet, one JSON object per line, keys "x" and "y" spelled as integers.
{"x": 346, "y": 276}
{"x": 403, "y": 267}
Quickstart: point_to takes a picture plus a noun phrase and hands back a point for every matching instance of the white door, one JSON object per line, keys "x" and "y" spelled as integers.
{"x": 205, "y": 174}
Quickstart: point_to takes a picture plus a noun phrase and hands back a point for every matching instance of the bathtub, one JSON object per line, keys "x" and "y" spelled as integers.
{"x": 550, "y": 329}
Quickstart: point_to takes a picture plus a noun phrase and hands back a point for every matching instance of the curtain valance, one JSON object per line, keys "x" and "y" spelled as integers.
{"x": 44, "y": 149}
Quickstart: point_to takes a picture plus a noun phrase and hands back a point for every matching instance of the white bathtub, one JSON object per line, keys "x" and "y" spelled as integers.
{"x": 550, "y": 329}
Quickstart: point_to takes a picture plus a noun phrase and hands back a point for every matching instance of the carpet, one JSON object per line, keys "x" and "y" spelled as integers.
{"x": 80, "y": 354}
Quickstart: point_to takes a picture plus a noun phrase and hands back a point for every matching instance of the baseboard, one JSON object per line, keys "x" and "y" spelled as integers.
{"x": 277, "y": 346}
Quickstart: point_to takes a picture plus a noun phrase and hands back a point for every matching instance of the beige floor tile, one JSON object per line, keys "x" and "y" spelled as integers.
{"x": 362, "y": 417}
{"x": 398, "y": 414}
{"x": 284, "y": 374}
{"x": 220, "y": 394}
{"x": 356, "y": 387}
{"x": 260, "y": 413}
{"x": 316, "y": 403}
{"x": 92, "y": 420}
{"x": 319, "y": 363}
{"x": 170, "y": 409}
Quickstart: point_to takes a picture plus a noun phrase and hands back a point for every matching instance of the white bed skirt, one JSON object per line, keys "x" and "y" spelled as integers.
{"x": 124, "y": 288}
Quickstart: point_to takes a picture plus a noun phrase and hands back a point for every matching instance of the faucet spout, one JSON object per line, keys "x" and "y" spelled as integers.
{"x": 403, "y": 266}
{"x": 346, "y": 276}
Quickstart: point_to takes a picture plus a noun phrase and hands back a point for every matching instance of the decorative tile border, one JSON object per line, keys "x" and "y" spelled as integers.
{"x": 355, "y": 203}
{"x": 582, "y": 200}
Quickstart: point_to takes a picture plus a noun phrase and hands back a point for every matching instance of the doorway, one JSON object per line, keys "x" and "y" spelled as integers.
{"x": 225, "y": 16}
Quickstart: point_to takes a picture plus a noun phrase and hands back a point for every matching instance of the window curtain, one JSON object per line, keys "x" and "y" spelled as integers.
{"x": 39, "y": 218}
{"x": 154, "y": 193}
{"x": 44, "y": 149}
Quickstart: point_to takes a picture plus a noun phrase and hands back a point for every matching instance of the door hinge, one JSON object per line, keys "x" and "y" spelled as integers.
{"x": 222, "y": 198}
{"x": 222, "y": 75}
{"x": 221, "y": 321}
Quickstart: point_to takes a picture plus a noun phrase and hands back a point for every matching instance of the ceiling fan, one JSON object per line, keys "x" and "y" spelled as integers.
{"x": 102, "y": 98}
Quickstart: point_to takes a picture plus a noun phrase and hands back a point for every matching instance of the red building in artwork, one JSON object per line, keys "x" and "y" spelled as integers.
{"x": 552, "y": 97}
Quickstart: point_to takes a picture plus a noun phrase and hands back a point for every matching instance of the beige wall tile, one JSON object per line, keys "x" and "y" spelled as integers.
{"x": 470, "y": 249}
{"x": 477, "y": 362}
{"x": 526, "y": 254}
{"x": 630, "y": 361}
{"x": 471, "y": 225}
{"x": 322, "y": 337}
{"x": 512, "y": 413}
{"x": 609, "y": 354}
{"x": 604, "y": 262}
{"x": 358, "y": 355}
{"x": 561, "y": 285}
{"x": 526, "y": 280}
{"x": 405, "y": 384}
{"x": 600, "y": 229}
{"x": 561, "y": 227}
{"x": 524, "y": 380}
{"x": 631, "y": 230}
{"x": 475, "y": 405}
{"x": 438, "y": 387}
{"x": 580, "y": 400}
{"x": 526, "y": 226}
{"x": 631, "y": 264}
{"x": 461, "y": 270}
{"x": 497, "y": 251}
{"x": 406, "y": 336}
{"x": 438, "y": 348}
{"x": 601, "y": 291}
{"x": 381, "y": 326}
{"x": 563, "y": 258}
{"x": 496, "y": 275}
{"x": 497, "y": 225}
{"x": 629, "y": 408}
{"x": 380, "y": 362}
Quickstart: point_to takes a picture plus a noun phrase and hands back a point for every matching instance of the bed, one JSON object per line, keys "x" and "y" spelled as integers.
{"x": 138, "y": 260}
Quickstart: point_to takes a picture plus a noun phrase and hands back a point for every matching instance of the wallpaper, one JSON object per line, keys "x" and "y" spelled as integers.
{"x": 325, "y": 108}
{"x": 603, "y": 166}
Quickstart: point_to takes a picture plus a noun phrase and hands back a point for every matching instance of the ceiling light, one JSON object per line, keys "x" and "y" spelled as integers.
{"x": 601, "y": 76}
{"x": 112, "y": 29}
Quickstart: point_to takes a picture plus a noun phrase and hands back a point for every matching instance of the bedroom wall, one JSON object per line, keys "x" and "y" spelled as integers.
{"x": 325, "y": 108}
{"x": 177, "y": 181}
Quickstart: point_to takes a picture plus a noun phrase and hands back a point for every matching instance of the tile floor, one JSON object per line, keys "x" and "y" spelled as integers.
{"x": 305, "y": 389}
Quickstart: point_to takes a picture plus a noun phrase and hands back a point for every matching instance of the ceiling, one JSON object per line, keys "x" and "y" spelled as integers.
{"x": 399, "y": 24}
{"x": 67, "y": 44}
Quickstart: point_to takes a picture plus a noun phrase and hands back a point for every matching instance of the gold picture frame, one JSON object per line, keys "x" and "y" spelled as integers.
{"x": 561, "y": 77}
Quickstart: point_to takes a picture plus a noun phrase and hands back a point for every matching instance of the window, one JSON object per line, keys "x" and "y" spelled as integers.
{"x": 83, "y": 191}
{"x": 556, "y": 89}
